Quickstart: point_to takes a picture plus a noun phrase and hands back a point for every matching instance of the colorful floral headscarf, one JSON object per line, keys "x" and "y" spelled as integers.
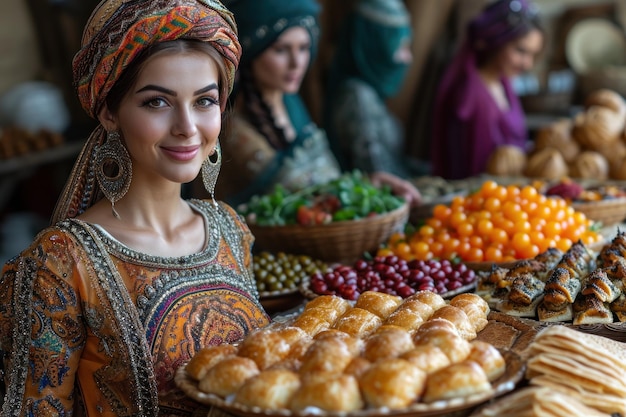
{"x": 115, "y": 34}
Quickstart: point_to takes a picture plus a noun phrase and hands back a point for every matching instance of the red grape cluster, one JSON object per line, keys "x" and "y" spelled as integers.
{"x": 391, "y": 275}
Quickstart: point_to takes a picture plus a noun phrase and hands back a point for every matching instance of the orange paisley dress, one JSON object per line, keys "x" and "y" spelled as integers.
{"x": 90, "y": 327}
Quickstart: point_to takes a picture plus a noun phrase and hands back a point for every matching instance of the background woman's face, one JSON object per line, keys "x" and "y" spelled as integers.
{"x": 519, "y": 55}
{"x": 283, "y": 65}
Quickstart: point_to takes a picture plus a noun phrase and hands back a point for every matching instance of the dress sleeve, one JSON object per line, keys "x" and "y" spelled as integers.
{"x": 42, "y": 329}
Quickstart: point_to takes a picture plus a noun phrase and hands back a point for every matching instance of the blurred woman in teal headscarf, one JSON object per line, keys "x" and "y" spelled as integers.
{"x": 273, "y": 139}
{"x": 369, "y": 66}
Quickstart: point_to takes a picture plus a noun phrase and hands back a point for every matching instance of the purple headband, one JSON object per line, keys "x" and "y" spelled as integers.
{"x": 500, "y": 22}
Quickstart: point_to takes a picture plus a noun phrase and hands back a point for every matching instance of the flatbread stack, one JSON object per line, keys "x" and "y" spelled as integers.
{"x": 539, "y": 402}
{"x": 587, "y": 367}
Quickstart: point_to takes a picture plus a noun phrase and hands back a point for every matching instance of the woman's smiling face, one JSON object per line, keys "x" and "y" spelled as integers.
{"x": 171, "y": 119}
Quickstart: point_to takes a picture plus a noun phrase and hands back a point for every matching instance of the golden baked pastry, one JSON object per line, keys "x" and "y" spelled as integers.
{"x": 405, "y": 318}
{"x": 269, "y": 390}
{"x": 358, "y": 322}
{"x": 454, "y": 346}
{"x": 206, "y": 358}
{"x": 357, "y": 366}
{"x": 329, "y": 315}
{"x": 489, "y": 358}
{"x": 378, "y": 303}
{"x": 332, "y": 302}
{"x": 311, "y": 324}
{"x": 227, "y": 376}
{"x": 339, "y": 394}
{"x": 460, "y": 320}
{"x": 265, "y": 347}
{"x": 476, "y": 299}
{"x": 424, "y": 310}
{"x": 292, "y": 334}
{"x": 428, "y": 297}
{"x": 330, "y": 355}
{"x": 437, "y": 323}
{"x": 474, "y": 313}
{"x": 386, "y": 344}
{"x": 606, "y": 98}
{"x": 428, "y": 358}
{"x": 457, "y": 380}
{"x": 393, "y": 383}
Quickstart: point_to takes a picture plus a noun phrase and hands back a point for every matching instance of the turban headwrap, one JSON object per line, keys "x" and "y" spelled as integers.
{"x": 501, "y": 22}
{"x": 115, "y": 34}
{"x": 261, "y": 22}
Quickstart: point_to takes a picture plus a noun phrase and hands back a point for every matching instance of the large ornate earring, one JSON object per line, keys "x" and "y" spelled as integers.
{"x": 113, "y": 169}
{"x": 210, "y": 170}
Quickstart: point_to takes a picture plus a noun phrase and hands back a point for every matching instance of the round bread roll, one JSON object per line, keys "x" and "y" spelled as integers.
{"x": 547, "y": 163}
{"x": 605, "y": 97}
{"x": 456, "y": 381}
{"x": 489, "y": 358}
{"x": 330, "y": 355}
{"x": 266, "y": 347}
{"x": 378, "y": 303}
{"x": 451, "y": 344}
{"x": 424, "y": 310}
{"x": 597, "y": 128}
{"x": 590, "y": 164}
{"x": 337, "y": 394}
{"x": 392, "y": 383}
{"x": 472, "y": 298}
{"x": 387, "y": 344}
{"x": 428, "y": 358}
{"x": 311, "y": 323}
{"x": 435, "y": 323}
{"x": 358, "y": 322}
{"x": 227, "y": 376}
{"x": 329, "y": 301}
{"x": 434, "y": 300}
{"x": 206, "y": 358}
{"x": 558, "y": 135}
{"x": 269, "y": 390}
{"x": 404, "y": 318}
{"x": 329, "y": 315}
{"x": 507, "y": 161}
{"x": 459, "y": 318}
{"x": 357, "y": 366}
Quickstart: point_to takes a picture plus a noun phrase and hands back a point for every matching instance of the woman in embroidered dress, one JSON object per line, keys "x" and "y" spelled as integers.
{"x": 369, "y": 64}
{"x": 476, "y": 109}
{"x": 131, "y": 280}
{"x": 273, "y": 138}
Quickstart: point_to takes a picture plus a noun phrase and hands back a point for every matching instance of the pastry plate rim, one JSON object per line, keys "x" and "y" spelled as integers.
{"x": 515, "y": 369}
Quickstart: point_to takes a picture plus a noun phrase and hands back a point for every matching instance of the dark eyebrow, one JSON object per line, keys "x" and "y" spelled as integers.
{"x": 149, "y": 87}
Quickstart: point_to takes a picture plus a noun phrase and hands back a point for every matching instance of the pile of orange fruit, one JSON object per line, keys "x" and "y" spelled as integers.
{"x": 497, "y": 223}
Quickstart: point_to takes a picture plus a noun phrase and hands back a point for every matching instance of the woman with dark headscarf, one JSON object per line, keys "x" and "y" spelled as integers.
{"x": 131, "y": 280}
{"x": 273, "y": 138}
{"x": 476, "y": 109}
{"x": 372, "y": 57}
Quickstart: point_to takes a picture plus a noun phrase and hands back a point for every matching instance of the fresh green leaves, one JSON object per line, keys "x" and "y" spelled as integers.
{"x": 349, "y": 197}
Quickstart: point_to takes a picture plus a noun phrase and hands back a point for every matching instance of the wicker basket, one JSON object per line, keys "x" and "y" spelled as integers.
{"x": 608, "y": 212}
{"x": 342, "y": 242}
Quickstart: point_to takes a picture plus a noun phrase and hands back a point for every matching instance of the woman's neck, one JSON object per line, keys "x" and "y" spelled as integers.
{"x": 493, "y": 82}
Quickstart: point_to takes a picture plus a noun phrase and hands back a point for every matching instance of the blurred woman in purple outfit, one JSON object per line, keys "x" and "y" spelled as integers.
{"x": 476, "y": 109}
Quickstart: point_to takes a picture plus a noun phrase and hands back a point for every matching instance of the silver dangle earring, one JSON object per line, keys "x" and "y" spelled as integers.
{"x": 210, "y": 170}
{"x": 113, "y": 169}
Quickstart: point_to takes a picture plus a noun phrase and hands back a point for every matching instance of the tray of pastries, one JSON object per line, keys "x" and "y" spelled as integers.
{"x": 581, "y": 287}
{"x": 381, "y": 355}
